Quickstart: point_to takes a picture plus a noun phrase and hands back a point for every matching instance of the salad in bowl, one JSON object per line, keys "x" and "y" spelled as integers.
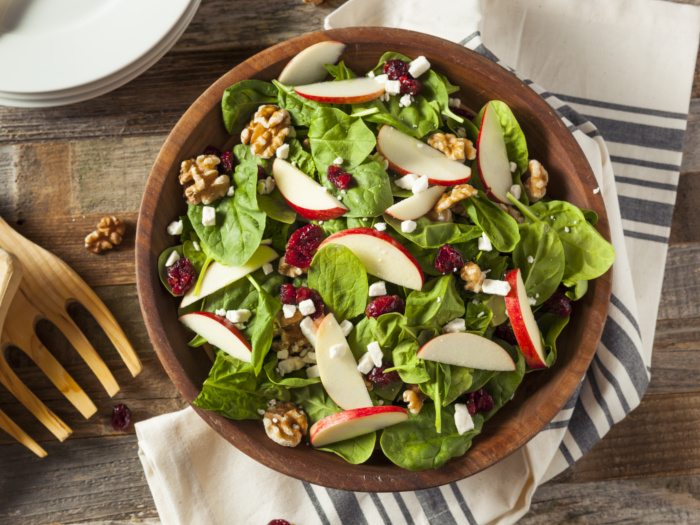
{"x": 375, "y": 263}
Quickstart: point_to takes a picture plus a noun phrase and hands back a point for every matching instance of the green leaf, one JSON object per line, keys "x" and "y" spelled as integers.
{"x": 540, "y": 244}
{"x": 261, "y": 327}
{"x": 478, "y": 318}
{"x": 502, "y": 386}
{"x": 436, "y": 304}
{"x": 243, "y": 154}
{"x": 429, "y": 234}
{"x": 417, "y": 120}
{"x": 498, "y": 225}
{"x": 360, "y": 337}
{"x": 300, "y": 109}
{"x": 163, "y": 270}
{"x": 335, "y": 134}
{"x": 578, "y": 290}
{"x": 406, "y": 362}
{"x": 241, "y": 100}
{"x": 551, "y": 326}
{"x": 369, "y": 193}
{"x": 516, "y": 145}
{"x": 295, "y": 379}
{"x": 340, "y": 71}
{"x": 275, "y": 207}
{"x": 460, "y": 382}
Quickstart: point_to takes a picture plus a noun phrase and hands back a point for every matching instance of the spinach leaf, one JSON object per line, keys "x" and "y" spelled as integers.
{"x": 242, "y": 99}
{"x": 478, "y": 318}
{"x": 578, "y": 290}
{"x": 540, "y": 244}
{"x": 275, "y": 207}
{"x": 388, "y": 330}
{"x": 341, "y": 279}
{"x": 243, "y": 154}
{"x": 435, "y": 305}
{"x": 516, "y": 146}
{"x": 332, "y": 226}
{"x": 335, "y": 134}
{"x": 369, "y": 192}
{"x": 437, "y": 89}
{"x": 502, "y": 386}
{"x": 295, "y": 379}
{"x": 302, "y": 158}
{"x": 417, "y": 120}
{"x": 260, "y": 329}
{"x": 277, "y": 232}
{"x": 300, "y": 109}
{"x": 436, "y": 387}
{"x": 406, "y": 362}
{"x": 429, "y": 234}
{"x": 360, "y": 337}
{"x": 551, "y": 326}
{"x": 340, "y": 71}
{"x": 499, "y": 227}
{"x": 460, "y": 382}
{"x": 163, "y": 270}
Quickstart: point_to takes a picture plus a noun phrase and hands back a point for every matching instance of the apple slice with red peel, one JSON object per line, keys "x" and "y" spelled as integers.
{"x": 219, "y": 275}
{"x": 304, "y": 195}
{"x": 527, "y": 333}
{"x": 492, "y": 157}
{"x": 352, "y": 91}
{"x": 416, "y": 205}
{"x": 465, "y": 349}
{"x": 406, "y": 154}
{"x": 220, "y": 332}
{"x": 339, "y": 374}
{"x": 353, "y": 423}
{"x": 307, "y": 66}
{"x": 381, "y": 255}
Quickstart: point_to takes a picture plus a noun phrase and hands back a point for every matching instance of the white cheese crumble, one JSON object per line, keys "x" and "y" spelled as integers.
{"x": 261, "y": 412}
{"x": 494, "y": 287}
{"x": 238, "y": 316}
{"x": 420, "y": 185}
{"x": 566, "y": 229}
{"x": 530, "y": 259}
{"x": 289, "y": 310}
{"x": 484, "y": 243}
{"x": 516, "y": 191}
{"x": 419, "y": 66}
{"x": 375, "y": 352}
{"x": 532, "y": 301}
{"x": 310, "y": 357}
{"x": 346, "y": 326}
{"x": 230, "y": 191}
{"x": 405, "y": 101}
{"x": 377, "y": 289}
{"x": 172, "y": 259}
{"x": 307, "y": 307}
{"x": 456, "y": 325}
{"x": 371, "y": 74}
{"x": 454, "y": 102}
{"x": 290, "y": 365}
{"x": 240, "y": 326}
{"x": 408, "y": 226}
{"x": 381, "y": 78}
{"x": 338, "y": 161}
{"x": 221, "y": 312}
{"x": 463, "y": 421}
{"x": 480, "y": 315}
{"x": 282, "y": 152}
{"x": 380, "y": 226}
{"x": 267, "y": 268}
{"x": 265, "y": 187}
{"x": 312, "y": 372}
{"x": 308, "y": 328}
{"x": 175, "y": 228}
{"x": 407, "y": 181}
{"x": 392, "y": 87}
{"x": 366, "y": 364}
{"x": 338, "y": 350}
{"x": 208, "y": 216}
{"x": 282, "y": 354}
{"x": 596, "y": 191}
{"x": 513, "y": 167}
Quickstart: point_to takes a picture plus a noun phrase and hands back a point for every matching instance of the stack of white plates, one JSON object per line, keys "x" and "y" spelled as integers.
{"x": 56, "y": 52}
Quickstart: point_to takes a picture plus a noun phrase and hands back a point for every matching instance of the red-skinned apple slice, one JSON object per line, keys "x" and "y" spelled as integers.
{"x": 525, "y": 327}
{"x": 352, "y": 91}
{"x": 353, "y": 423}
{"x": 465, "y": 349}
{"x": 406, "y": 154}
{"x": 381, "y": 255}
{"x": 220, "y": 332}
{"x": 492, "y": 157}
{"x": 219, "y": 275}
{"x": 339, "y": 375}
{"x": 307, "y": 66}
{"x": 304, "y": 195}
{"x": 416, "y": 205}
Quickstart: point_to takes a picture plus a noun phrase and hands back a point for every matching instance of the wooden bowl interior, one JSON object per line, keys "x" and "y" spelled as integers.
{"x": 541, "y": 395}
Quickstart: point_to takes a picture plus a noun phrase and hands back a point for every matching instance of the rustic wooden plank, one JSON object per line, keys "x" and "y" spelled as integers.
{"x": 675, "y": 362}
{"x": 691, "y": 143}
{"x": 686, "y": 214}
{"x": 680, "y": 295}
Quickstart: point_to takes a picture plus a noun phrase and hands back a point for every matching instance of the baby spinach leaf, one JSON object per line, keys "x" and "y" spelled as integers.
{"x": 341, "y": 279}
{"x": 335, "y": 134}
{"x": 578, "y": 290}
{"x": 406, "y": 362}
{"x": 302, "y": 158}
{"x": 540, "y": 244}
{"x": 429, "y": 234}
{"x": 261, "y": 327}
{"x": 435, "y": 89}
{"x": 295, "y": 379}
{"x": 275, "y": 207}
{"x": 360, "y": 337}
{"x": 516, "y": 146}
{"x": 478, "y": 318}
{"x": 241, "y": 100}
{"x": 277, "y": 231}
{"x": 417, "y": 120}
{"x": 369, "y": 192}
{"x": 388, "y": 331}
{"x": 300, "y": 109}
{"x": 243, "y": 154}
{"x": 332, "y": 226}
{"x": 436, "y": 304}
{"x": 551, "y": 326}
{"x": 340, "y": 71}
{"x": 436, "y": 387}
{"x": 502, "y": 386}
{"x": 460, "y": 382}
{"x": 500, "y": 228}
{"x": 163, "y": 270}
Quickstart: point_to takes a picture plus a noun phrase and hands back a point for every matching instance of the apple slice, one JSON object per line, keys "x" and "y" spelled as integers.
{"x": 381, "y": 255}
{"x": 353, "y": 423}
{"x": 406, "y": 154}
{"x": 527, "y": 333}
{"x": 305, "y": 196}
{"x": 220, "y": 332}
{"x": 352, "y": 91}
{"x": 416, "y": 205}
{"x": 219, "y": 275}
{"x": 465, "y": 349}
{"x": 492, "y": 157}
{"x": 307, "y": 66}
{"x": 339, "y": 374}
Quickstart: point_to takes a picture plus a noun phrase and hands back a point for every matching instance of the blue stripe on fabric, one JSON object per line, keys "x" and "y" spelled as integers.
{"x": 482, "y": 50}
{"x": 404, "y": 510}
{"x": 646, "y": 211}
{"x": 582, "y": 428}
{"x": 646, "y": 236}
{"x": 557, "y": 424}
{"x": 622, "y": 107}
{"x": 646, "y": 163}
{"x": 623, "y": 348}
{"x": 565, "y": 452}
{"x": 380, "y": 508}
{"x": 347, "y": 507}
{"x": 635, "y": 134}
{"x": 598, "y": 396}
{"x": 646, "y": 183}
{"x": 463, "y": 504}
{"x": 571, "y": 403}
{"x": 317, "y": 504}
{"x": 471, "y": 37}
{"x": 435, "y": 507}
{"x": 597, "y": 361}
{"x": 625, "y": 311}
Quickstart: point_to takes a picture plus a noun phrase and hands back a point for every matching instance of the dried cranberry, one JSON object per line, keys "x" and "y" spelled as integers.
{"x": 121, "y": 417}
{"x": 471, "y": 407}
{"x": 288, "y": 294}
{"x": 448, "y": 260}
{"x": 279, "y": 522}
{"x": 305, "y": 240}
{"x": 304, "y": 293}
{"x": 396, "y": 69}
{"x": 226, "y": 161}
{"x": 337, "y": 177}
{"x": 410, "y": 86}
{"x": 479, "y": 401}
{"x": 298, "y": 259}
{"x": 211, "y": 150}
{"x": 181, "y": 276}
{"x": 382, "y": 379}
{"x": 463, "y": 113}
{"x": 559, "y": 304}
{"x": 505, "y": 331}
{"x": 384, "y": 305}
{"x": 261, "y": 173}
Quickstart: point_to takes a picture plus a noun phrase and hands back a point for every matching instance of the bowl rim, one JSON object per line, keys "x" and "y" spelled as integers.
{"x": 366, "y": 478}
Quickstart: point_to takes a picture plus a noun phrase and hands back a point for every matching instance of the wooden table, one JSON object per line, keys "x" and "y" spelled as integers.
{"x": 62, "y": 169}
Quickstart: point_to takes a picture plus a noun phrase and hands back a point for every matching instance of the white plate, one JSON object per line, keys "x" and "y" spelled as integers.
{"x": 57, "y": 46}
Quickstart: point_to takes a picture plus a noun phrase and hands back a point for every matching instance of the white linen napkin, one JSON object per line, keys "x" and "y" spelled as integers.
{"x": 615, "y": 70}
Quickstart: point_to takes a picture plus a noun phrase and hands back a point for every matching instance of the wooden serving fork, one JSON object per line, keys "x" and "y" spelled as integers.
{"x": 35, "y": 284}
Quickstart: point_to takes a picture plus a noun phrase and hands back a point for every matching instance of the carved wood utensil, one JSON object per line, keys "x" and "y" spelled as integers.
{"x": 35, "y": 284}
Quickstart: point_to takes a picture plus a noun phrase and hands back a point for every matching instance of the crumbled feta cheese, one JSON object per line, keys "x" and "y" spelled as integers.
{"x": 408, "y": 226}
{"x": 267, "y": 268}
{"x": 380, "y": 226}
{"x": 494, "y": 287}
{"x": 230, "y": 191}
{"x": 420, "y": 185}
{"x": 290, "y": 365}
{"x": 289, "y": 310}
{"x": 454, "y": 102}
{"x": 385, "y": 97}
{"x": 240, "y": 326}
{"x": 208, "y": 216}
{"x": 596, "y": 191}
{"x": 405, "y": 101}
{"x": 375, "y": 352}
{"x": 195, "y": 244}
{"x": 456, "y": 325}
{"x": 282, "y": 152}
{"x": 532, "y": 301}
{"x": 462, "y": 132}
{"x": 377, "y": 289}
{"x": 371, "y": 74}
{"x": 381, "y": 78}
{"x": 392, "y": 87}
{"x": 308, "y": 328}
{"x": 238, "y": 316}
{"x": 338, "y": 350}
{"x": 307, "y": 307}
{"x": 463, "y": 421}
{"x": 283, "y": 354}
{"x": 513, "y": 167}
{"x": 172, "y": 259}
{"x": 175, "y": 228}
{"x": 261, "y": 412}
{"x": 484, "y": 243}
{"x": 309, "y": 357}
{"x": 419, "y": 66}
{"x": 407, "y": 181}
{"x": 339, "y": 197}
{"x": 530, "y": 259}
{"x": 312, "y": 372}
{"x": 338, "y": 161}
{"x": 346, "y": 326}
{"x": 566, "y": 229}
{"x": 366, "y": 364}
{"x": 516, "y": 191}
{"x": 265, "y": 187}
{"x": 480, "y": 315}
{"x": 221, "y": 312}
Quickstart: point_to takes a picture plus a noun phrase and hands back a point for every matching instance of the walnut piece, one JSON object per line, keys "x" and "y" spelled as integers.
{"x": 536, "y": 185}
{"x": 201, "y": 180}
{"x": 454, "y": 147}
{"x": 513, "y": 212}
{"x": 266, "y": 130}
{"x": 285, "y": 424}
{"x": 458, "y": 193}
{"x": 473, "y": 277}
{"x": 291, "y": 338}
{"x": 289, "y": 270}
{"x": 108, "y": 234}
{"x": 414, "y": 397}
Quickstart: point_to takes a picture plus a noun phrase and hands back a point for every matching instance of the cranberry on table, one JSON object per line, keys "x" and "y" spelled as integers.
{"x": 384, "y": 305}
{"x": 121, "y": 417}
{"x": 181, "y": 276}
{"x": 339, "y": 178}
{"x": 448, "y": 260}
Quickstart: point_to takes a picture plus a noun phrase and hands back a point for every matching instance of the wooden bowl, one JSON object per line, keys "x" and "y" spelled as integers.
{"x": 541, "y": 395}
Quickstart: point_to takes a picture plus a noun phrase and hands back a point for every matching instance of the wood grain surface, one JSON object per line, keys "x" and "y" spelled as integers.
{"x": 52, "y": 165}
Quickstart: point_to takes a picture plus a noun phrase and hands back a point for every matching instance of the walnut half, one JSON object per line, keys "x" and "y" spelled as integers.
{"x": 267, "y": 130}
{"x": 108, "y": 234}
{"x": 453, "y": 147}
{"x": 536, "y": 185}
{"x": 285, "y": 424}
{"x": 201, "y": 180}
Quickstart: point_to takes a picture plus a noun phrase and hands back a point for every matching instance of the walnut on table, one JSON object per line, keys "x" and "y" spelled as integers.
{"x": 456, "y": 195}
{"x": 473, "y": 277}
{"x": 109, "y": 233}
{"x": 285, "y": 424}
{"x": 452, "y": 146}
{"x": 266, "y": 131}
{"x": 536, "y": 184}
{"x": 201, "y": 180}
{"x": 414, "y": 397}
